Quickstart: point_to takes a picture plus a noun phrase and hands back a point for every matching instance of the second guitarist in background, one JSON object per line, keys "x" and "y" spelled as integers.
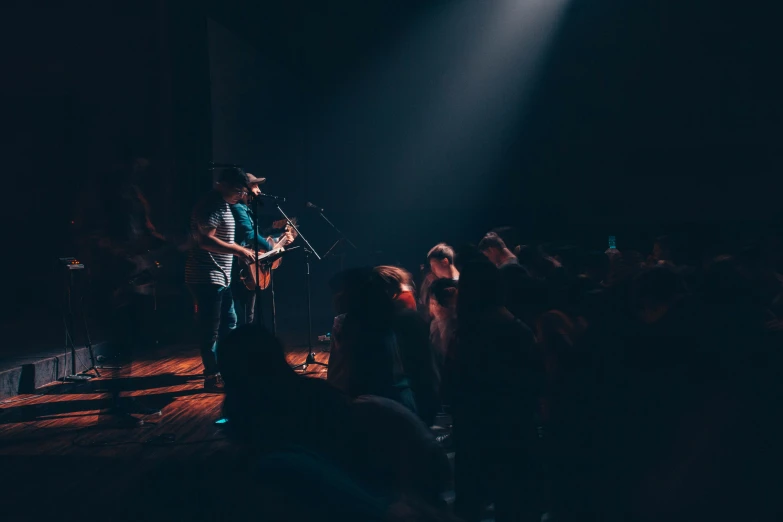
{"x": 245, "y": 235}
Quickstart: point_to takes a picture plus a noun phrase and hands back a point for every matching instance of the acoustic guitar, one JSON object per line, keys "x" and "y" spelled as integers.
{"x": 261, "y": 270}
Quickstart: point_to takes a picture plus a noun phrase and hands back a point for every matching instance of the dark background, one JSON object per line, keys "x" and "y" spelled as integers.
{"x": 643, "y": 117}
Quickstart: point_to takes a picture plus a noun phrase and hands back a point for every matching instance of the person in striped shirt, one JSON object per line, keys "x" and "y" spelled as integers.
{"x": 208, "y": 267}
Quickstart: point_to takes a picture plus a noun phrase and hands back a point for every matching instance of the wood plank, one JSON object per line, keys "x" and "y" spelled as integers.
{"x": 64, "y": 453}
{"x": 65, "y": 418}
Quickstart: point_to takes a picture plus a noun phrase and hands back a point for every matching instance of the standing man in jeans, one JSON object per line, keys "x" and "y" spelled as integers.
{"x": 245, "y": 235}
{"x": 208, "y": 268}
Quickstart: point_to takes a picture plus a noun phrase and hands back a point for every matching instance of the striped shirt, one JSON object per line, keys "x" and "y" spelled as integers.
{"x": 202, "y": 265}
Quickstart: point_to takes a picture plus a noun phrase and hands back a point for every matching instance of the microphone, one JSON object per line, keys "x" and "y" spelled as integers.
{"x": 269, "y": 196}
{"x": 314, "y": 206}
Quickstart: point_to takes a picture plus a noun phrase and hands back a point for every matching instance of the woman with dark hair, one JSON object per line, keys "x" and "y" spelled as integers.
{"x": 497, "y": 385}
{"x": 411, "y": 333}
{"x": 399, "y": 284}
{"x": 365, "y": 351}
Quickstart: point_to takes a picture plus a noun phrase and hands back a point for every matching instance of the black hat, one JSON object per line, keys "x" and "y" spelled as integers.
{"x": 234, "y": 177}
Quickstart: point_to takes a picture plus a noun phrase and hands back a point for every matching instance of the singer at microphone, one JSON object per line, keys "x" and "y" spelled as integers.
{"x": 314, "y": 206}
{"x": 270, "y": 196}
{"x": 245, "y": 219}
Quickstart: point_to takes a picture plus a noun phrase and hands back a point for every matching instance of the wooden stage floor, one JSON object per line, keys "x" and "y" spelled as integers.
{"x": 61, "y": 457}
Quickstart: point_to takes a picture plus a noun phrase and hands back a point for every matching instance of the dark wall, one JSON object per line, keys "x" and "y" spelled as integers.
{"x": 82, "y": 84}
{"x": 657, "y": 112}
{"x": 256, "y": 111}
{"x": 91, "y": 85}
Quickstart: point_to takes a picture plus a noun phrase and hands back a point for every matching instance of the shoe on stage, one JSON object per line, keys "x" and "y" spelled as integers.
{"x": 213, "y": 383}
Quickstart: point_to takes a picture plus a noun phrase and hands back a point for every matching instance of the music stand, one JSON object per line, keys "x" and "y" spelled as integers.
{"x": 342, "y": 238}
{"x": 272, "y": 296}
{"x": 72, "y": 265}
{"x": 308, "y": 250}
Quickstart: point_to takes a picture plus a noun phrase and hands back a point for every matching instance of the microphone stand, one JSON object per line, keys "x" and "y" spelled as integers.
{"x": 257, "y": 310}
{"x": 274, "y": 308}
{"x": 271, "y": 272}
{"x": 342, "y": 238}
{"x": 310, "y": 359}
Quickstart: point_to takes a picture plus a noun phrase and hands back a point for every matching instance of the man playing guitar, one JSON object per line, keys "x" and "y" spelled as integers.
{"x": 209, "y": 266}
{"x": 243, "y": 290}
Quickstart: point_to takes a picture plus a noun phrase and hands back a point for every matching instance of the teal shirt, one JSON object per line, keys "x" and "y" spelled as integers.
{"x": 245, "y": 231}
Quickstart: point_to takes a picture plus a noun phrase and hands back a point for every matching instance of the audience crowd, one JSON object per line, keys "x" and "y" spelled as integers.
{"x": 569, "y": 385}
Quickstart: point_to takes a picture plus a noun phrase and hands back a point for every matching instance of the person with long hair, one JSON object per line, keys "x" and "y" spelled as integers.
{"x": 399, "y": 284}
{"x": 365, "y": 350}
{"x": 419, "y": 359}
